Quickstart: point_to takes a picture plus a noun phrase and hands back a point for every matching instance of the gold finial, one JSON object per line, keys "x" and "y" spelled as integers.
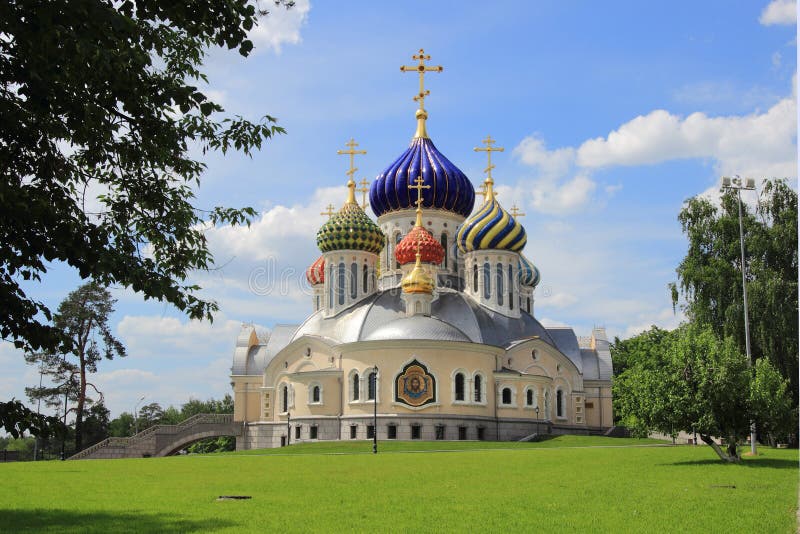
{"x": 421, "y": 69}
{"x": 515, "y": 212}
{"x": 417, "y": 280}
{"x": 482, "y": 192}
{"x": 364, "y": 189}
{"x": 488, "y": 191}
{"x": 329, "y": 211}
{"x": 419, "y": 187}
{"x": 351, "y": 184}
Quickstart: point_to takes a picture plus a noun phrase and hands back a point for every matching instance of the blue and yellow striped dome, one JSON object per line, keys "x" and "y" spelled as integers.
{"x": 491, "y": 227}
{"x": 529, "y": 275}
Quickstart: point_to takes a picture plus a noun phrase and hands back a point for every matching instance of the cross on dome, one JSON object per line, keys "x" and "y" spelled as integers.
{"x": 421, "y": 69}
{"x": 364, "y": 189}
{"x": 515, "y": 212}
{"x": 488, "y": 192}
{"x": 419, "y": 187}
{"x": 351, "y": 184}
{"x": 329, "y": 211}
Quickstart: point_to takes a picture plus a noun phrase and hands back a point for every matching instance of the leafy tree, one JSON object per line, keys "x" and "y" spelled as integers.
{"x": 637, "y": 349}
{"x": 16, "y": 419}
{"x": 101, "y": 109}
{"x": 772, "y": 407}
{"x": 95, "y": 423}
{"x": 710, "y": 275}
{"x": 695, "y": 382}
{"x": 121, "y": 426}
{"x": 83, "y": 319}
{"x": 149, "y": 415}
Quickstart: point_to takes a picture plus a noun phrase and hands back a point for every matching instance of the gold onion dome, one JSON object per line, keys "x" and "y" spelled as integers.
{"x": 315, "y": 274}
{"x": 417, "y": 280}
{"x": 350, "y": 229}
{"x": 491, "y": 228}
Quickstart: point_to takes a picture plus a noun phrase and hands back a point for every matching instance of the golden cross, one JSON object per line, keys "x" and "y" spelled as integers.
{"x": 489, "y": 149}
{"x": 364, "y": 189}
{"x": 482, "y": 192}
{"x": 329, "y": 211}
{"x": 351, "y": 145}
{"x": 421, "y": 68}
{"x": 419, "y": 187}
{"x": 515, "y": 211}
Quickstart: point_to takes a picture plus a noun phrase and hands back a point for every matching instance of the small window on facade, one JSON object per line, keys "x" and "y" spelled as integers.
{"x": 340, "y": 283}
{"x": 416, "y": 431}
{"x": 506, "y": 395}
{"x": 560, "y": 403}
{"x": 534, "y": 355}
{"x": 478, "y": 388}
{"x": 316, "y": 307}
{"x": 285, "y": 399}
{"x": 487, "y": 280}
{"x": 371, "y": 385}
{"x": 439, "y": 432}
{"x": 330, "y": 287}
{"x": 365, "y": 279}
{"x": 475, "y": 279}
{"x": 529, "y": 397}
{"x": 462, "y": 433}
{"x": 444, "y": 246}
{"x": 397, "y": 238}
{"x": 297, "y": 432}
{"x": 391, "y": 432}
{"x": 370, "y": 431}
{"x": 459, "y": 386}
{"x": 499, "y": 283}
{"x": 315, "y": 394}
{"x": 353, "y": 431}
{"x": 312, "y": 432}
{"x": 356, "y": 383}
{"x": 529, "y": 305}
{"x": 353, "y": 280}
{"x": 481, "y": 433}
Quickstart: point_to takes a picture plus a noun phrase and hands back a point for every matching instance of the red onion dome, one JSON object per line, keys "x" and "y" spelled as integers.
{"x": 316, "y": 273}
{"x": 430, "y": 249}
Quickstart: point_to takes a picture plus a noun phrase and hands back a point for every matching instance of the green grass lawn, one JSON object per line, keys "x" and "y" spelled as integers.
{"x": 566, "y": 484}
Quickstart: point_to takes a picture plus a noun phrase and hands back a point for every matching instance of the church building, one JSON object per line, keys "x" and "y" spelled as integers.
{"x": 423, "y": 323}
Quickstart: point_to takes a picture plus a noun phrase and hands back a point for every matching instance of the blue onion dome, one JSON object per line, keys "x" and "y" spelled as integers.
{"x": 491, "y": 228}
{"x": 449, "y": 188}
{"x": 350, "y": 229}
{"x": 529, "y": 275}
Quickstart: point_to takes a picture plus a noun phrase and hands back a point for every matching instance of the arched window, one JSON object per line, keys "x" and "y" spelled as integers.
{"x": 353, "y": 281}
{"x": 397, "y": 238}
{"x": 529, "y": 305}
{"x": 418, "y": 307}
{"x": 330, "y": 287}
{"x": 506, "y": 395}
{"x": 560, "y": 403}
{"x": 547, "y": 404}
{"x": 475, "y": 278}
{"x": 499, "y": 283}
{"x": 487, "y": 280}
{"x": 510, "y": 287}
{"x": 444, "y": 246}
{"x": 529, "y": 397}
{"x": 315, "y": 396}
{"x": 356, "y": 383}
{"x": 459, "y": 386}
{"x": 285, "y": 398}
{"x": 365, "y": 279}
{"x": 372, "y": 385}
{"x": 340, "y": 283}
{"x": 317, "y": 303}
{"x": 478, "y": 388}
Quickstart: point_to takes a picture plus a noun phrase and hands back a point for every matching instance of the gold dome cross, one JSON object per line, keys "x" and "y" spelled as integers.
{"x": 488, "y": 191}
{"x": 515, "y": 212}
{"x": 421, "y": 69}
{"x": 329, "y": 211}
{"x": 351, "y": 145}
{"x": 364, "y": 189}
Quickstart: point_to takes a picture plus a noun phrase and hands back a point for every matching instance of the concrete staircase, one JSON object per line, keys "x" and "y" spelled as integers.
{"x": 163, "y": 440}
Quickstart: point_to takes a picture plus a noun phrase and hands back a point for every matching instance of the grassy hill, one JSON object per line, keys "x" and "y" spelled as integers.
{"x": 566, "y": 484}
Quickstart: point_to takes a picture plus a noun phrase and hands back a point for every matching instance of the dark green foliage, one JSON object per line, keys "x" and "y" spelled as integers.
{"x": 710, "y": 275}
{"x": 100, "y": 106}
{"x": 16, "y": 419}
{"x": 82, "y": 318}
{"x": 643, "y": 348}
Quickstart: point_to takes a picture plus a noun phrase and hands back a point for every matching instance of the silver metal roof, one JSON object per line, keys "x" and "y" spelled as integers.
{"x": 418, "y": 327}
{"x": 565, "y": 340}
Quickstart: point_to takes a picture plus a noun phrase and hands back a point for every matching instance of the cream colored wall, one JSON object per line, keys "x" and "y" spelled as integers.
{"x": 246, "y": 398}
{"x": 598, "y": 393}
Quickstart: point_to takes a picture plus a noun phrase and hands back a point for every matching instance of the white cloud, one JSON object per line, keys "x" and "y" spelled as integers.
{"x": 760, "y": 144}
{"x": 148, "y": 336}
{"x": 281, "y": 25}
{"x": 779, "y": 12}
{"x": 552, "y": 163}
{"x": 559, "y": 197}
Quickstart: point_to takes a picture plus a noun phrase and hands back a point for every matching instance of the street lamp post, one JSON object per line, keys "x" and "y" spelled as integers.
{"x": 375, "y": 412}
{"x": 748, "y": 184}
{"x": 38, "y": 412}
{"x": 136, "y": 415}
{"x": 537, "y": 421}
{"x": 288, "y": 429}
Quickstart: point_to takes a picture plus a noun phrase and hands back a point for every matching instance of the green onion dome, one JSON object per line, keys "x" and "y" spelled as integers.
{"x": 491, "y": 228}
{"x": 350, "y": 229}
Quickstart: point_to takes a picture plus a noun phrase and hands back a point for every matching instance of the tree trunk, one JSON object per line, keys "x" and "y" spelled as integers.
{"x": 723, "y": 456}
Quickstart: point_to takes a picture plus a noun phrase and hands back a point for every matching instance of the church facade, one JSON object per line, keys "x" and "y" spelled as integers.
{"x": 423, "y": 323}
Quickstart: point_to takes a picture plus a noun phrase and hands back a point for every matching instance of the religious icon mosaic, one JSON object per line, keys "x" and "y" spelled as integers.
{"x": 415, "y": 386}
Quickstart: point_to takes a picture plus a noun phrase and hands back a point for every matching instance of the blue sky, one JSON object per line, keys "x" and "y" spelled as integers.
{"x": 611, "y": 114}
